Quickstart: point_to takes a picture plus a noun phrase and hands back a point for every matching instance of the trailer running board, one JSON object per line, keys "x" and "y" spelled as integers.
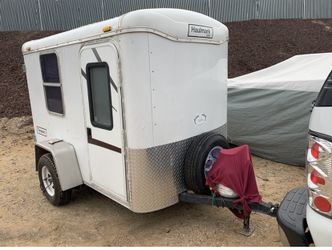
{"x": 218, "y": 201}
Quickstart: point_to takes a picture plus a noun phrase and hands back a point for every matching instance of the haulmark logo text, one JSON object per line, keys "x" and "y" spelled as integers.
{"x": 200, "y": 31}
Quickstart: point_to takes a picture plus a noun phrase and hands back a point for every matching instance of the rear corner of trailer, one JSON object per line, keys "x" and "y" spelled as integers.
{"x": 174, "y": 77}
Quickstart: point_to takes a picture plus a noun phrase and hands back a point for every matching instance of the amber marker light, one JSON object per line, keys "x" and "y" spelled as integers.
{"x": 107, "y": 28}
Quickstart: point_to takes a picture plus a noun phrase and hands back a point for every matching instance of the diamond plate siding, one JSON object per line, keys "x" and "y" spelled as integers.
{"x": 155, "y": 175}
{"x": 19, "y": 15}
{"x": 317, "y": 9}
{"x": 279, "y": 9}
{"x": 232, "y": 10}
{"x": 201, "y": 6}
{"x": 69, "y": 14}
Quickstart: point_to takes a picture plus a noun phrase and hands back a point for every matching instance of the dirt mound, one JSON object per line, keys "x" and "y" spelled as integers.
{"x": 14, "y": 99}
{"x": 253, "y": 45}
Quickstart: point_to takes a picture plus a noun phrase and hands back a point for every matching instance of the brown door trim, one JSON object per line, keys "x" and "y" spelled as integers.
{"x": 101, "y": 143}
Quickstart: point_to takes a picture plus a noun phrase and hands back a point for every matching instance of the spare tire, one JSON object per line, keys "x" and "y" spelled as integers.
{"x": 201, "y": 151}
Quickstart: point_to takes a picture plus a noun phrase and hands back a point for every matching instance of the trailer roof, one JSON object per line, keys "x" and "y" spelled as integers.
{"x": 174, "y": 24}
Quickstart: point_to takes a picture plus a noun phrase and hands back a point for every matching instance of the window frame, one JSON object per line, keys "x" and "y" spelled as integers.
{"x": 52, "y": 84}
{"x": 88, "y": 79}
{"x": 42, "y": 66}
{"x": 46, "y": 100}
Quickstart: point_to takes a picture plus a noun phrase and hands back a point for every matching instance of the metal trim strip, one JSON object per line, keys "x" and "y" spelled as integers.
{"x": 103, "y": 144}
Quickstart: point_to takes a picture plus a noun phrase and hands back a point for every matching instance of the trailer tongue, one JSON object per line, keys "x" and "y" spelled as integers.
{"x": 219, "y": 201}
{"x": 230, "y": 177}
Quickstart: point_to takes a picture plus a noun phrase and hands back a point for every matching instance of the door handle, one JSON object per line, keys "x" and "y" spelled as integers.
{"x": 89, "y": 133}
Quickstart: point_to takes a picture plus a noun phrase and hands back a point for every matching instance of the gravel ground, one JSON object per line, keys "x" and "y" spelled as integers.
{"x": 91, "y": 219}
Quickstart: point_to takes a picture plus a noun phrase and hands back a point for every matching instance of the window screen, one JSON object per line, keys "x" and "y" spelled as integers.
{"x": 54, "y": 99}
{"x": 100, "y": 95}
{"x": 49, "y": 67}
{"x": 325, "y": 95}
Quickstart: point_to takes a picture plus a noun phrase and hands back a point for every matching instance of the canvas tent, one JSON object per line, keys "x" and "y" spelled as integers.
{"x": 270, "y": 109}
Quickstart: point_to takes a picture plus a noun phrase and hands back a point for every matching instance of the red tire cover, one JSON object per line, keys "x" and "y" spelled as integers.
{"x": 234, "y": 169}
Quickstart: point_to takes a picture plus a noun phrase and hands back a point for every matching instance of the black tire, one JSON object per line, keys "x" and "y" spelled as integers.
{"x": 59, "y": 197}
{"x": 195, "y": 160}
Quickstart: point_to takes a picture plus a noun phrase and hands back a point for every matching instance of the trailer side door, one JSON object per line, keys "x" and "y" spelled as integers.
{"x": 103, "y": 119}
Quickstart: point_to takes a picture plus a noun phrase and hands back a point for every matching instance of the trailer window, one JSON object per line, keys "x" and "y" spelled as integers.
{"x": 53, "y": 99}
{"x": 51, "y": 82}
{"x": 49, "y": 67}
{"x": 100, "y": 95}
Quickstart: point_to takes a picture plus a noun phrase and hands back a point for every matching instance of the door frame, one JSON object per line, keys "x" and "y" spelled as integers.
{"x": 91, "y": 140}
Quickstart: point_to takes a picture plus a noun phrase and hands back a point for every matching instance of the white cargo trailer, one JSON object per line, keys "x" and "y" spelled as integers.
{"x": 117, "y": 104}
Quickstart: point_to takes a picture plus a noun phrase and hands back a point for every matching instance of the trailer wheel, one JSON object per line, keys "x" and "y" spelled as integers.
{"x": 49, "y": 181}
{"x": 200, "y": 156}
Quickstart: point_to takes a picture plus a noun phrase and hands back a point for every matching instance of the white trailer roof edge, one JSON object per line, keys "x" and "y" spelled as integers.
{"x": 154, "y": 21}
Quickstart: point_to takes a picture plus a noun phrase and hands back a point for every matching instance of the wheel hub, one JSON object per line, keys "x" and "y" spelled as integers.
{"x": 48, "y": 181}
{"x": 211, "y": 159}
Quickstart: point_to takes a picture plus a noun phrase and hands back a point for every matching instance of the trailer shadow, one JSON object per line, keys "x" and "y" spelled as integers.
{"x": 170, "y": 226}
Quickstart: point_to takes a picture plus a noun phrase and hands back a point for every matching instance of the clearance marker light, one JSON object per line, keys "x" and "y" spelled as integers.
{"x": 107, "y": 28}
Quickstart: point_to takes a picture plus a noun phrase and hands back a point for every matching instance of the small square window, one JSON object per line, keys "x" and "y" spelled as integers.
{"x": 54, "y": 99}
{"x": 49, "y": 67}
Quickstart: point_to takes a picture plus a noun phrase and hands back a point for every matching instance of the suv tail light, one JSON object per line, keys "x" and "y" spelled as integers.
{"x": 315, "y": 150}
{"x": 319, "y": 175}
{"x": 322, "y": 204}
{"x": 316, "y": 178}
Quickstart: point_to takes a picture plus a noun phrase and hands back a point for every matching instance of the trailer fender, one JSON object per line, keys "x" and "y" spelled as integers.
{"x": 65, "y": 160}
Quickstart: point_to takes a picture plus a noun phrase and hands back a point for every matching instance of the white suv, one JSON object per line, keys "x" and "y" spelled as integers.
{"x": 305, "y": 214}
